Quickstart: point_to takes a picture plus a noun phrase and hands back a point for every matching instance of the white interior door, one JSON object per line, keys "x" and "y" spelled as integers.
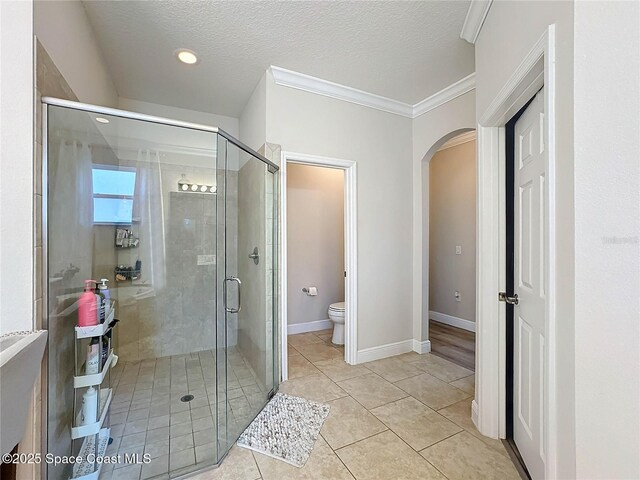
{"x": 531, "y": 215}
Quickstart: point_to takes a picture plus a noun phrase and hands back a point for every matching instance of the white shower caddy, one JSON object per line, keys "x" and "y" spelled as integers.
{"x": 95, "y": 436}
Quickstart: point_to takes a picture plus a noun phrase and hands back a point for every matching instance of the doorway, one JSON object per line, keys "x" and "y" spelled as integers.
{"x": 302, "y": 297}
{"x": 526, "y": 219}
{"x": 452, "y": 250}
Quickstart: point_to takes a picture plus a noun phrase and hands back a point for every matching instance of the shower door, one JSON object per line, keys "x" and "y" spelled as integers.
{"x": 178, "y": 218}
{"x": 247, "y": 370}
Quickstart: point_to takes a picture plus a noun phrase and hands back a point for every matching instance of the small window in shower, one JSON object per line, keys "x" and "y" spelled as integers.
{"x": 113, "y": 190}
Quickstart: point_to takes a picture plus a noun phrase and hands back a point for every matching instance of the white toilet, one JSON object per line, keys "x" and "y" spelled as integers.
{"x": 336, "y": 314}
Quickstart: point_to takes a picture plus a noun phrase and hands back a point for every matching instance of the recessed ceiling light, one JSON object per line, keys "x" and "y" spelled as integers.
{"x": 186, "y": 56}
{"x": 102, "y": 120}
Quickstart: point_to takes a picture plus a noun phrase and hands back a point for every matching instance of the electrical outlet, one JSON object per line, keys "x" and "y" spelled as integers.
{"x": 457, "y": 296}
{"x": 458, "y": 249}
{"x": 206, "y": 260}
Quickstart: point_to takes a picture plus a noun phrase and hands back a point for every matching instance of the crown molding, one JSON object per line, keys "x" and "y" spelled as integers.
{"x": 476, "y": 14}
{"x": 289, "y": 78}
{"x": 318, "y": 86}
{"x": 466, "y": 137}
{"x": 445, "y": 95}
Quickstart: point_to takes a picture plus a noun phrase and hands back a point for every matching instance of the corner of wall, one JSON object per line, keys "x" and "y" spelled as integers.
{"x": 253, "y": 119}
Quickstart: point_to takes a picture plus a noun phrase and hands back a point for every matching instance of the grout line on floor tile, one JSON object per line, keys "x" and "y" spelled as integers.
{"x": 443, "y": 439}
{"x": 255, "y": 461}
{"x": 418, "y": 452}
{"x": 364, "y": 438}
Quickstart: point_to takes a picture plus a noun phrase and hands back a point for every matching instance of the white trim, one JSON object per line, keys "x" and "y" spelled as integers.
{"x": 421, "y": 347}
{"x": 295, "y": 328}
{"x": 478, "y": 10}
{"x": 383, "y": 351}
{"x": 350, "y": 250}
{"x": 537, "y": 69}
{"x": 453, "y": 321}
{"x": 465, "y": 137}
{"x": 474, "y": 412}
{"x": 445, "y": 95}
{"x": 319, "y": 86}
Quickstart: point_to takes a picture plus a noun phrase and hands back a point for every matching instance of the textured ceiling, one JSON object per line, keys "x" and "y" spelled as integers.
{"x": 406, "y": 51}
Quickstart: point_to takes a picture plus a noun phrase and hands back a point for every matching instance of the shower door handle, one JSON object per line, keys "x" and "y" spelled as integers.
{"x": 224, "y": 295}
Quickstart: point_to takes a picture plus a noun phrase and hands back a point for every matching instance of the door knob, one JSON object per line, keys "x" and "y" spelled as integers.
{"x": 503, "y": 297}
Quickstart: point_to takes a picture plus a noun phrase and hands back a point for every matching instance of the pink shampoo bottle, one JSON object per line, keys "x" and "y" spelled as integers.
{"x": 88, "y": 306}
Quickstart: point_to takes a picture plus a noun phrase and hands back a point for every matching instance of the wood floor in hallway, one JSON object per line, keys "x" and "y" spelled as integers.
{"x": 453, "y": 344}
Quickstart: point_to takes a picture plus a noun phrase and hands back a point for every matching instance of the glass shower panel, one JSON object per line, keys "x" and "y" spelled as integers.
{"x": 179, "y": 221}
{"x": 136, "y": 203}
{"x": 248, "y": 289}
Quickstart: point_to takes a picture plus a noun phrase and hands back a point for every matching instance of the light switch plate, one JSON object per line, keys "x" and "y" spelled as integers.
{"x": 458, "y": 249}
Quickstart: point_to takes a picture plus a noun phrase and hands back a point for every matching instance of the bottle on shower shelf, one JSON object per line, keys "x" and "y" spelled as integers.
{"x": 88, "y": 306}
{"x": 92, "y": 365}
{"x": 107, "y": 296}
{"x": 89, "y": 407}
{"x": 101, "y": 304}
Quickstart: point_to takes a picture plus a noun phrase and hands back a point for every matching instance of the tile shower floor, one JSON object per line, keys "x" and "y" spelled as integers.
{"x": 148, "y": 416}
{"x": 404, "y": 417}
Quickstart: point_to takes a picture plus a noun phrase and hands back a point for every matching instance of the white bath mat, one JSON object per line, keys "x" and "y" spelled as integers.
{"x": 286, "y": 429}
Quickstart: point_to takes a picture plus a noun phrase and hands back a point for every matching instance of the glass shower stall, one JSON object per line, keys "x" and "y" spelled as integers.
{"x": 177, "y": 221}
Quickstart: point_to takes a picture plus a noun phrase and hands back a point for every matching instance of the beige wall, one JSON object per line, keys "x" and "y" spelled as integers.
{"x": 65, "y": 32}
{"x": 430, "y": 131}
{"x": 509, "y": 32}
{"x": 452, "y": 221}
{"x": 315, "y": 241}
{"x": 380, "y": 143}
{"x": 253, "y": 126}
{"x": 228, "y": 124}
{"x": 607, "y": 232}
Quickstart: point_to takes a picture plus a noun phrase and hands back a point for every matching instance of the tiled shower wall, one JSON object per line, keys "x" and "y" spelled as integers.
{"x": 178, "y": 315}
{"x": 251, "y": 233}
{"x": 272, "y": 152}
{"x": 49, "y": 82}
{"x": 257, "y": 215}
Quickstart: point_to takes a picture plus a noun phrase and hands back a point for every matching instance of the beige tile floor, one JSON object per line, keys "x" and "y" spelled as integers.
{"x": 148, "y": 417}
{"x": 406, "y": 417}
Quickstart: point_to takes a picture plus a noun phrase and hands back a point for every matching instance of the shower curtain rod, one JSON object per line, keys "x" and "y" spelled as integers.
{"x": 154, "y": 119}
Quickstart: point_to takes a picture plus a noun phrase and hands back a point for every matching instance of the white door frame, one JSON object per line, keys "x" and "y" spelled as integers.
{"x": 536, "y": 70}
{"x": 350, "y": 251}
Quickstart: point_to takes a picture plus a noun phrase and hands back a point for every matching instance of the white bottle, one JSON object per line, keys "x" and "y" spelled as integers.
{"x": 89, "y": 407}
{"x": 107, "y": 296}
{"x": 92, "y": 364}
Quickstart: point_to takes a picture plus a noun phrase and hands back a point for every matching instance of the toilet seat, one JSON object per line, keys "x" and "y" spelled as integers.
{"x": 337, "y": 307}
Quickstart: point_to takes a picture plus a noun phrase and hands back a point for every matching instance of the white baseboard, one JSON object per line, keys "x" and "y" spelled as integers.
{"x": 316, "y": 326}
{"x": 453, "y": 321}
{"x": 474, "y": 412}
{"x": 421, "y": 347}
{"x": 384, "y": 351}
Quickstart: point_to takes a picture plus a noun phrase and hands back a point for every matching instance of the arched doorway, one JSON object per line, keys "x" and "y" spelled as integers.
{"x": 424, "y": 222}
{"x": 449, "y": 248}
